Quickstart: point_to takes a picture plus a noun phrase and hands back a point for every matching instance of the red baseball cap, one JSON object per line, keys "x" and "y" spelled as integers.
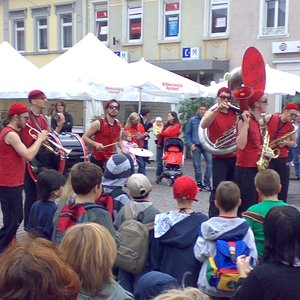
{"x": 291, "y": 105}
{"x": 185, "y": 188}
{"x": 17, "y": 108}
{"x": 35, "y": 94}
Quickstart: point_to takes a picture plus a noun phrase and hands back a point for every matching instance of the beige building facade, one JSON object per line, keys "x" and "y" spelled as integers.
{"x": 199, "y": 39}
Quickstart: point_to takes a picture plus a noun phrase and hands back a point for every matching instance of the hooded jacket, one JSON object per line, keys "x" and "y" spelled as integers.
{"x": 205, "y": 247}
{"x": 172, "y": 253}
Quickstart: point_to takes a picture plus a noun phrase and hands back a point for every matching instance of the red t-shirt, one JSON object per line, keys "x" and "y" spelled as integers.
{"x": 222, "y": 123}
{"x": 277, "y": 129}
{"x": 250, "y": 154}
{"x": 12, "y": 164}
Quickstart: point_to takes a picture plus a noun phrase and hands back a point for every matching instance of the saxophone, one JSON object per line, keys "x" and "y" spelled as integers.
{"x": 282, "y": 138}
{"x": 267, "y": 153}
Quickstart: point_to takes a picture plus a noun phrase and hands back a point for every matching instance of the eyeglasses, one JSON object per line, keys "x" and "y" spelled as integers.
{"x": 113, "y": 107}
{"x": 225, "y": 97}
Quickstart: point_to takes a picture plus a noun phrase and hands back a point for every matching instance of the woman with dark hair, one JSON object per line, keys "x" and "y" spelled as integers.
{"x": 278, "y": 276}
{"x": 61, "y": 120}
{"x": 171, "y": 129}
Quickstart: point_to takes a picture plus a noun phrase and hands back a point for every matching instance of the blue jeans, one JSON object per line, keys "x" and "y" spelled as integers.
{"x": 159, "y": 154}
{"x": 141, "y": 165}
{"x": 196, "y": 155}
{"x": 296, "y": 161}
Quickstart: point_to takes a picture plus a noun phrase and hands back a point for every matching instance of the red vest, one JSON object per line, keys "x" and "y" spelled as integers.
{"x": 250, "y": 154}
{"x": 12, "y": 165}
{"x": 38, "y": 122}
{"x": 222, "y": 123}
{"x": 277, "y": 129}
{"x": 107, "y": 134}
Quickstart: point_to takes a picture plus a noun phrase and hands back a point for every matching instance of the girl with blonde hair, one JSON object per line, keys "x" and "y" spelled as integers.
{"x": 138, "y": 134}
{"x": 91, "y": 251}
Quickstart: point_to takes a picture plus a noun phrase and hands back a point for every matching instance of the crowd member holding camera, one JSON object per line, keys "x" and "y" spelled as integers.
{"x": 61, "y": 121}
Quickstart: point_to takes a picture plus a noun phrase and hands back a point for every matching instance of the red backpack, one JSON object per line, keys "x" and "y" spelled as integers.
{"x": 71, "y": 214}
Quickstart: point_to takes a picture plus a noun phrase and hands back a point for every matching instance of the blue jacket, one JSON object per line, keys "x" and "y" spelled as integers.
{"x": 172, "y": 253}
{"x": 192, "y": 131}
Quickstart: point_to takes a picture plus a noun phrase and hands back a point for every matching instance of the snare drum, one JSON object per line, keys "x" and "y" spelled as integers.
{"x": 61, "y": 162}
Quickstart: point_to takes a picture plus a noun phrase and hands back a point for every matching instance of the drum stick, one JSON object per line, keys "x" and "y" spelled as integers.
{"x": 110, "y": 144}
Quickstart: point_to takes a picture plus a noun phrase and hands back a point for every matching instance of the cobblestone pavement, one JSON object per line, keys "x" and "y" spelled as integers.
{"x": 162, "y": 195}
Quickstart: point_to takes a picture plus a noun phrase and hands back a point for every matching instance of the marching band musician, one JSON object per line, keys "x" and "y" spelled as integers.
{"x": 280, "y": 125}
{"x": 37, "y": 120}
{"x": 218, "y": 121}
{"x": 249, "y": 145}
{"x": 12, "y": 169}
{"x": 106, "y": 131}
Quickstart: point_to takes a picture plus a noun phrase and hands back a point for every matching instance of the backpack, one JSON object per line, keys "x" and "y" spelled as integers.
{"x": 221, "y": 270}
{"x": 71, "y": 214}
{"x": 107, "y": 200}
{"x": 132, "y": 253}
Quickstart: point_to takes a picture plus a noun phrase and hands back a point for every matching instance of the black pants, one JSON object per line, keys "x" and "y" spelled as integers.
{"x": 282, "y": 166}
{"x": 244, "y": 178}
{"x": 222, "y": 170}
{"x": 12, "y": 210}
{"x": 30, "y": 196}
{"x": 97, "y": 162}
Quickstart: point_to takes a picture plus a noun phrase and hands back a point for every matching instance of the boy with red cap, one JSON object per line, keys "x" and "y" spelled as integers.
{"x": 280, "y": 126}
{"x": 219, "y": 119}
{"x": 175, "y": 234}
{"x": 12, "y": 169}
{"x": 106, "y": 132}
{"x": 38, "y": 102}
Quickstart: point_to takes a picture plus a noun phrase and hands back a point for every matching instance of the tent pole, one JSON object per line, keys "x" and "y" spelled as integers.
{"x": 140, "y": 100}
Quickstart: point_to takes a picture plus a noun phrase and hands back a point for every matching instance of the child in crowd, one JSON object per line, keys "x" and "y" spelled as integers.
{"x": 50, "y": 185}
{"x": 142, "y": 210}
{"x": 267, "y": 183}
{"x": 86, "y": 181}
{"x": 175, "y": 235}
{"x": 91, "y": 251}
{"x": 158, "y": 126}
{"x": 128, "y": 144}
{"x": 227, "y": 226}
{"x": 117, "y": 170}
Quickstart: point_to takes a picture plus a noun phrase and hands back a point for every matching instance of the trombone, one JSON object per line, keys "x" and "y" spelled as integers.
{"x": 55, "y": 147}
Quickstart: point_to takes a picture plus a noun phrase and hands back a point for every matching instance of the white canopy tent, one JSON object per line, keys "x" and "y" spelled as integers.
{"x": 153, "y": 80}
{"x": 277, "y": 82}
{"x": 19, "y": 76}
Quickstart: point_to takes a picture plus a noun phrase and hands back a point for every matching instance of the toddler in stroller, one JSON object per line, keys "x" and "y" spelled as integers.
{"x": 172, "y": 160}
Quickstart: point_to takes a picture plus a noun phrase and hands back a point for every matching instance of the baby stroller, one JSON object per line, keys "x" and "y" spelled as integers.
{"x": 172, "y": 160}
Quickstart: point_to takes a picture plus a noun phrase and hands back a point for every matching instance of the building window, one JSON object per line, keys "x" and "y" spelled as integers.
{"x": 66, "y": 30}
{"x": 134, "y": 20}
{"x": 42, "y": 33}
{"x": 65, "y": 13}
{"x": 102, "y": 25}
{"x": 218, "y": 17}
{"x": 275, "y": 17}
{"x": 19, "y": 34}
{"x": 171, "y": 19}
{"x": 40, "y": 15}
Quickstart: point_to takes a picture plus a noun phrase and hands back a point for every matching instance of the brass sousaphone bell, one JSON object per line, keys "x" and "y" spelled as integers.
{"x": 247, "y": 85}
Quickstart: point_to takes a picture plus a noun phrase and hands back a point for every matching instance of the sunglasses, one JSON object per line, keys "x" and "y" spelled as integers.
{"x": 113, "y": 107}
{"x": 225, "y": 97}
